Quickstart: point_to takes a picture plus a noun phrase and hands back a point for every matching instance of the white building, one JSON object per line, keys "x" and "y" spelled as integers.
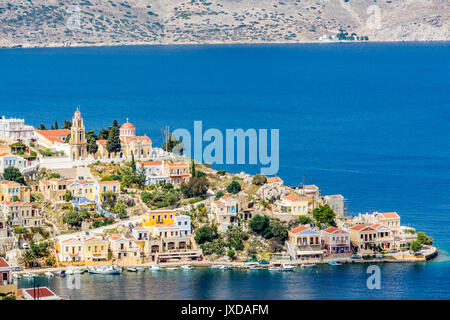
{"x": 15, "y": 129}
{"x": 336, "y": 202}
{"x": 155, "y": 172}
{"x": 9, "y": 160}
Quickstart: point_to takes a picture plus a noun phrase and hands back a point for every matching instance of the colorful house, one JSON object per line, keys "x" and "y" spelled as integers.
{"x": 22, "y": 214}
{"x": 8, "y": 160}
{"x": 363, "y": 238}
{"x": 294, "y": 205}
{"x": 53, "y": 189}
{"x": 178, "y": 172}
{"x": 183, "y": 222}
{"x": 305, "y": 242}
{"x": 125, "y": 249}
{"x": 336, "y": 241}
{"x": 388, "y": 219}
{"x": 159, "y": 217}
{"x": 10, "y": 190}
{"x": 84, "y": 248}
{"x": 102, "y": 187}
{"x": 225, "y": 211}
{"x": 155, "y": 172}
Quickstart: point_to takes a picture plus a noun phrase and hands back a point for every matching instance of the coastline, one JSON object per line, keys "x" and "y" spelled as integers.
{"x": 212, "y": 43}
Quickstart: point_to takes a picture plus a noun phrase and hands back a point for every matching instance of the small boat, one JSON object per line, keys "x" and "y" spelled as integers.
{"x": 140, "y": 269}
{"x": 333, "y": 263}
{"x": 70, "y": 272}
{"x": 61, "y": 273}
{"x": 214, "y": 267}
{"x": 255, "y": 268}
{"x": 131, "y": 269}
{"x": 30, "y": 275}
{"x": 105, "y": 270}
{"x": 171, "y": 268}
{"x": 224, "y": 267}
{"x": 49, "y": 274}
{"x": 282, "y": 267}
{"x": 154, "y": 268}
{"x": 187, "y": 267}
{"x": 309, "y": 265}
{"x": 16, "y": 276}
{"x": 263, "y": 262}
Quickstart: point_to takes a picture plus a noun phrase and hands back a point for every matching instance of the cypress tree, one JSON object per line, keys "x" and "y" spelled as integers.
{"x": 133, "y": 163}
{"x": 56, "y": 125}
{"x": 113, "y": 143}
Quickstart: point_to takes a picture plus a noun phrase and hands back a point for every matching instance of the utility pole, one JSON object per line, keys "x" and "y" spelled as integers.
{"x": 303, "y": 185}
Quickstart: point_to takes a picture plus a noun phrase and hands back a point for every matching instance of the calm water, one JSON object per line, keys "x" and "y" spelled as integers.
{"x": 368, "y": 121}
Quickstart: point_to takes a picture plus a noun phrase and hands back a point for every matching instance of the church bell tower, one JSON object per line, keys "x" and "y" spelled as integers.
{"x": 78, "y": 143}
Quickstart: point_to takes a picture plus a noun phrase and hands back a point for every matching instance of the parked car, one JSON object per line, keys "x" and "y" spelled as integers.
{"x": 17, "y": 269}
{"x": 355, "y": 256}
{"x": 25, "y": 246}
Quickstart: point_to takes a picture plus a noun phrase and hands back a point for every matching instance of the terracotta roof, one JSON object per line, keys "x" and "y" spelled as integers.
{"x": 331, "y": 229}
{"x": 298, "y": 229}
{"x": 171, "y": 164}
{"x": 102, "y": 142}
{"x": 274, "y": 179}
{"x": 334, "y": 196}
{"x": 360, "y": 227}
{"x": 53, "y": 133}
{"x": 293, "y": 197}
{"x": 4, "y": 154}
{"x": 389, "y": 215}
{"x": 4, "y": 263}
{"x": 108, "y": 182}
{"x": 150, "y": 163}
{"x": 375, "y": 226}
{"x": 127, "y": 125}
{"x": 43, "y": 292}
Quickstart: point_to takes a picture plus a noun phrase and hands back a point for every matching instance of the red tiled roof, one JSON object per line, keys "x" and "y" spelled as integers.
{"x": 331, "y": 229}
{"x": 293, "y": 197}
{"x": 40, "y": 292}
{"x": 4, "y": 263}
{"x": 4, "y": 154}
{"x": 274, "y": 179}
{"x": 102, "y": 142}
{"x": 53, "y": 133}
{"x": 127, "y": 125}
{"x": 298, "y": 229}
{"x": 360, "y": 227}
{"x": 171, "y": 164}
{"x": 389, "y": 215}
{"x": 151, "y": 163}
{"x": 108, "y": 182}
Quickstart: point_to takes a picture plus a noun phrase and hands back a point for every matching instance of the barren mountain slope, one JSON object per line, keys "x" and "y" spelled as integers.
{"x": 112, "y": 22}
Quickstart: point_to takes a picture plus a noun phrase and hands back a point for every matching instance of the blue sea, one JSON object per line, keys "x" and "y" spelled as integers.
{"x": 370, "y": 121}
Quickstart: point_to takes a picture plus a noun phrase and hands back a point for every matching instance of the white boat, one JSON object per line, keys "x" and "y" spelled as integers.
{"x": 154, "y": 268}
{"x": 105, "y": 270}
{"x": 282, "y": 267}
{"x": 140, "y": 269}
{"x": 187, "y": 267}
{"x": 171, "y": 269}
{"x": 224, "y": 267}
{"x": 215, "y": 267}
{"x": 30, "y": 275}
{"x": 70, "y": 272}
{"x": 49, "y": 274}
{"x": 310, "y": 265}
{"x": 131, "y": 269}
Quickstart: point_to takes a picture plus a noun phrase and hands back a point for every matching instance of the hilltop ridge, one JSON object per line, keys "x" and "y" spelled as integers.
{"x": 50, "y": 23}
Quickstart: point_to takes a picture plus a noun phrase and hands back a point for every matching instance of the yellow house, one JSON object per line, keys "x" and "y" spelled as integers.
{"x": 84, "y": 248}
{"x": 82, "y": 189}
{"x": 159, "y": 217}
{"x": 9, "y": 190}
{"x": 102, "y": 187}
{"x": 294, "y": 205}
{"x": 389, "y": 219}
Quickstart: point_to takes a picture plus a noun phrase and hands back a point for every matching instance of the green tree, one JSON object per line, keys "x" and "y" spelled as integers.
{"x": 261, "y": 225}
{"x": 42, "y": 127}
{"x": 422, "y": 238}
{"x": 196, "y": 187}
{"x": 73, "y": 219}
{"x": 68, "y": 196}
{"x": 219, "y": 195}
{"x": 67, "y": 124}
{"x": 234, "y": 187}
{"x": 259, "y": 179}
{"x": 324, "y": 214}
{"x": 231, "y": 254}
{"x": 415, "y": 246}
{"x": 279, "y": 231}
{"x": 103, "y": 134}
{"x": 56, "y": 125}
{"x": 206, "y": 234}
{"x": 133, "y": 163}
{"x": 304, "y": 220}
{"x": 193, "y": 173}
{"x": 13, "y": 174}
{"x": 113, "y": 143}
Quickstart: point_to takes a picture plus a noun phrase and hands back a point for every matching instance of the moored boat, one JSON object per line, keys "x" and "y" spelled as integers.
{"x": 61, "y": 273}
{"x": 140, "y": 269}
{"x": 70, "y": 272}
{"x": 131, "y": 269}
{"x": 154, "y": 268}
{"x": 105, "y": 270}
{"x": 308, "y": 265}
{"x": 30, "y": 275}
{"x": 49, "y": 274}
{"x": 333, "y": 263}
{"x": 187, "y": 267}
{"x": 222, "y": 267}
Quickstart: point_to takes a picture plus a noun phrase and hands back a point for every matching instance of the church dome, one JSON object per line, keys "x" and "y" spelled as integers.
{"x": 127, "y": 125}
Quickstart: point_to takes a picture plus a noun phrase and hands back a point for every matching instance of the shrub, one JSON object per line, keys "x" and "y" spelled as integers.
{"x": 234, "y": 187}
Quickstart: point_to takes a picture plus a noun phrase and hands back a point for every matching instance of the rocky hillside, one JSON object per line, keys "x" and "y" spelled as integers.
{"x": 112, "y": 22}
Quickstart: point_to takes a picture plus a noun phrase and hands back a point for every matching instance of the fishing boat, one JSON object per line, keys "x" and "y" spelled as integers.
{"x": 187, "y": 267}
{"x": 30, "y": 275}
{"x": 70, "y": 272}
{"x": 333, "y": 263}
{"x": 105, "y": 270}
{"x": 282, "y": 267}
{"x": 49, "y": 274}
{"x": 263, "y": 261}
{"x": 222, "y": 267}
{"x": 215, "y": 267}
{"x": 308, "y": 265}
{"x": 140, "y": 269}
{"x": 61, "y": 273}
{"x": 131, "y": 269}
{"x": 154, "y": 268}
